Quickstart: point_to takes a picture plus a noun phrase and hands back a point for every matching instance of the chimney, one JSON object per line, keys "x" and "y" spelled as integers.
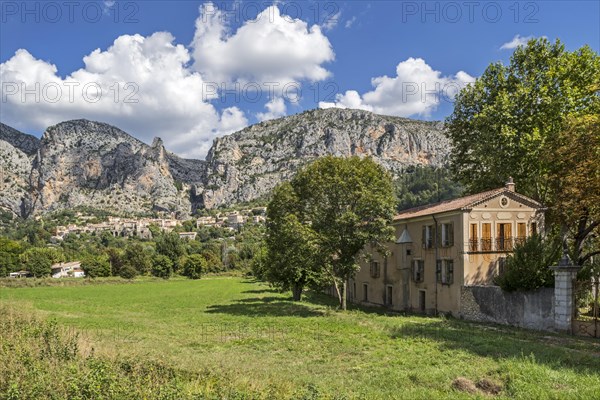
{"x": 510, "y": 185}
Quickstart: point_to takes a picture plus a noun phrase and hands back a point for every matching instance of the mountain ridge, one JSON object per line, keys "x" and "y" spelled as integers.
{"x": 82, "y": 162}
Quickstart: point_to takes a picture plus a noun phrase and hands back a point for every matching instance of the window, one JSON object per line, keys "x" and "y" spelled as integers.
{"x": 408, "y": 252}
{"x": 427, "y": 237}
{"x": 353, "y": 290}
{"x": 388, "y": 295}
{"x": 418, "y": 270}
{"x": 447, "y": 233}
{"x": 449, "y": 268}
{"x": 533, "y": 228}
{"x": 473, "y": 238}
{"x": 486, "y": 236}
{"x": 521, "y": 233}
{"x": 365, "y": 292}
{"x": 504, "y": 240}
{"x": 374, "y": 269}
{"x": 445, "y": 271}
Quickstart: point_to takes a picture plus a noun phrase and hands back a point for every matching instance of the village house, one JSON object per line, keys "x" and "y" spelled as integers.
{"x": 67, "y": 270}
{"x": 20, "y": 274}
{"x": 235, "y": 220}
{"x": 443, "y": 247}
{"x": 205, "y": 221}
{"x": 119, "y": 227}
{"x": 187, "y": 235}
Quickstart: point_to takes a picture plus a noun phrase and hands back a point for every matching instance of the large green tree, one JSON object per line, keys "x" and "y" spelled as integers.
{"x": 574, "y": 172}
{"x": 39, "y": 260}
{"x": 9, "y": 255}
{"x": 344, "y": 204}
{"x": 501, "y": 123}
{"x": 292, "y": 260}
{"x": 170, "y": 245}
{"x": 518, "y": 120}
{"x": 138, "y": 257}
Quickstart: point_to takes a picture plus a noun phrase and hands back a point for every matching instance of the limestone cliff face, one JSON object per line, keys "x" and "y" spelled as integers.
{"x": 89, "y": 163}
{"x": 15, "y": 166}
{"x": 249, "y": 163}
{"x": 97, "y": 165}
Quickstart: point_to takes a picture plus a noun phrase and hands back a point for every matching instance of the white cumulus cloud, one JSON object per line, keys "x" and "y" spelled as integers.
{"x": 140, "y": 84}
{"x": 271, "y": 48}
{"x": 275, "y": 109}
{"x": 417, "y": 89}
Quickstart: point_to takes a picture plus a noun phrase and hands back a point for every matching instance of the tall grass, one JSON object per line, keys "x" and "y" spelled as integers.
{"x": 40, "y": 359}
{"x": 229, "y": 338}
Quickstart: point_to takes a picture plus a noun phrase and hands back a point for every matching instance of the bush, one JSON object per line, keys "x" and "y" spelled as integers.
{"x": 162, "y": 266}
{"x": 96, "y": 266}
{"x": 194, "y": 266}
{"x": 128, "y": 272}
{"x": 528, "y": 267}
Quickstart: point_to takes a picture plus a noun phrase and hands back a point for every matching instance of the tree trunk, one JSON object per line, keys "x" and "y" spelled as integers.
{"x": 297, "y": 292}
{"x": 337, "y": 291}
{"x": 343, "y": 295}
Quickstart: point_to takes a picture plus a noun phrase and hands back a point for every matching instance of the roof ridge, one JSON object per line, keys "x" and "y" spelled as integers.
{"x": 426, "y": 206}
{"x": 463, "y": 203}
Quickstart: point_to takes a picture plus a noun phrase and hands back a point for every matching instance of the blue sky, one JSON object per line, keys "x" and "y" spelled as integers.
{"x": 383, "y": 56}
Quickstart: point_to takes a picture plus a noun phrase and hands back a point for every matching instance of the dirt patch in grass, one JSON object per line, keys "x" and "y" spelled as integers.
{"x": 464, "y": 385}
{"x": 489, "y": 387}
{"x": 485, "y": 386}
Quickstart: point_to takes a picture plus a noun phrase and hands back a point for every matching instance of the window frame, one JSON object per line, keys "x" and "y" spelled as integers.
{"x": 418, "y": 269}
{"x": 427, "y": 237}
{"x": 374, "y": 269}
{"x": 444, "y": 271}
{"x": 446, "y": 234}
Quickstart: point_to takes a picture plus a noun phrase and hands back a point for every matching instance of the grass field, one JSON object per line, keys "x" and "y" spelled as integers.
{"x": 265, "y": 346}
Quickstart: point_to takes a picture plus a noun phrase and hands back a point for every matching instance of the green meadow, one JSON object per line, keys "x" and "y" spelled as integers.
{"x": 228, "y": 337}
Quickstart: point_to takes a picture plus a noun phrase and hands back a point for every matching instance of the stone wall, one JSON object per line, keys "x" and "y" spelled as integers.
{"x": 532, "y": 310}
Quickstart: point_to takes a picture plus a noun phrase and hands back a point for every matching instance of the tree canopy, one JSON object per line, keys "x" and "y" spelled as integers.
{"x": 536, "y": 120}
{"x": 339, "y": 205}
{"x": 502, "y": 122}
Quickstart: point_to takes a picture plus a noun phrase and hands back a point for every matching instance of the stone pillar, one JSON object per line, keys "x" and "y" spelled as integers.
{"x": 564, "y": 297}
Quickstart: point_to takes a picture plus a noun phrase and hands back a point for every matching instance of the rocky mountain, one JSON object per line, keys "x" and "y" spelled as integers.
{"x": 27, "y": 144}
{"x": 89, "y": 163}
{"x": 249, "y": 163}
{"x": 15, "y": 167}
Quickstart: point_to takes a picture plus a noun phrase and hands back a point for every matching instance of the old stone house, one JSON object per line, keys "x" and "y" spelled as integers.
{"x": 443, "y": 247}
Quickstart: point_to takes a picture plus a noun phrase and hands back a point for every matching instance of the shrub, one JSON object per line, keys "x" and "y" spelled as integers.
{"x": 194, "y": 266}
{"x": 96, "y": 266}
{"x": 528, "y": 267}
{"x": 128, "y": 272}
{"x": 162, "y": 266}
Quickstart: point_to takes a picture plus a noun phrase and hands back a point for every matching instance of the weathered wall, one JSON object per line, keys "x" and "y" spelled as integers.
{"x": 533, "y": 310}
